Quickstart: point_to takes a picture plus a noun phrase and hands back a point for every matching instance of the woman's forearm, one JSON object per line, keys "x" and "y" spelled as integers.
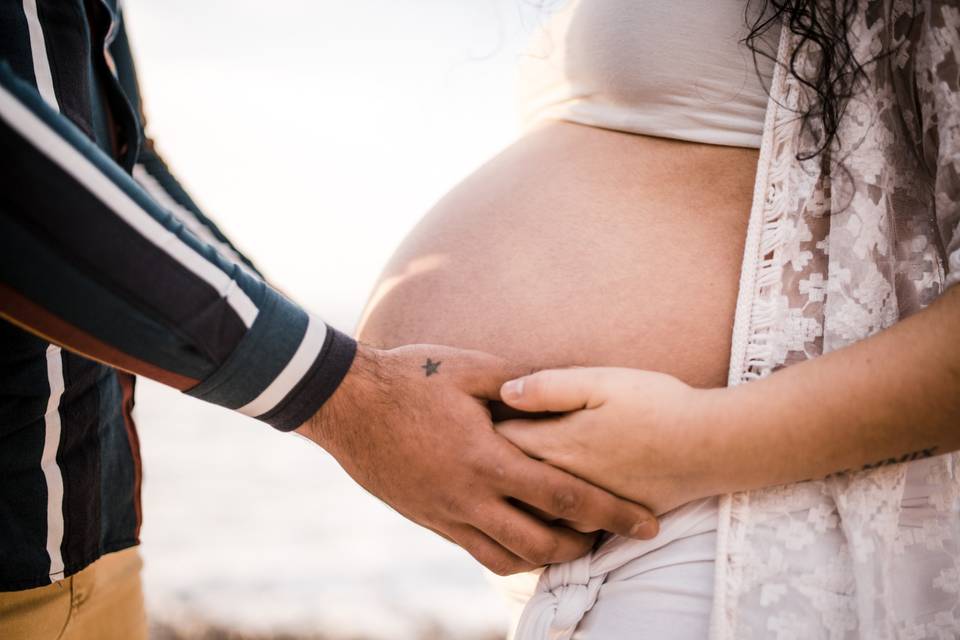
{"x": 890, "y": 398}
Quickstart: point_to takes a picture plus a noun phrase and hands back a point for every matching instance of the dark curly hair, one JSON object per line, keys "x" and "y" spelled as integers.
{"x": 823, "y": 25}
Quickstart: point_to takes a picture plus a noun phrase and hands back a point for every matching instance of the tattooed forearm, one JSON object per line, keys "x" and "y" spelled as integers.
{"x": 431, "y": 367}
{"x": 914, "y": 455}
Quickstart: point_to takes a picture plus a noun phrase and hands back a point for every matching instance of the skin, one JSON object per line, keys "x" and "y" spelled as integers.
{"x": 574, "y": 246}
{"x": 411, "y": 426}
{"x": 579, "y": 246}
{"x": 885, "y": 400}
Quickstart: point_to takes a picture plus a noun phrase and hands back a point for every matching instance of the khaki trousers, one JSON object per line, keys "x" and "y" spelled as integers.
{"x": 102, "y": 602}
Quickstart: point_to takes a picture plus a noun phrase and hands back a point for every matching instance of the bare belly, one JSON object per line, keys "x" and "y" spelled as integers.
{"x": 579, "y": 246}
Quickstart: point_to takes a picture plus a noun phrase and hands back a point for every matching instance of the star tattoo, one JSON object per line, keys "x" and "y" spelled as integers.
{"x": 431, "y": 367}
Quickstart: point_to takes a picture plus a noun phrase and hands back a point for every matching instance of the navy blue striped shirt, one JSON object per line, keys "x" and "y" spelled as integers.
{"x": 109, "y": 270}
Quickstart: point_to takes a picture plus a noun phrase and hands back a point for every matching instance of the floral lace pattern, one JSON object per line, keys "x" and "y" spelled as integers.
{"x": 838, "y": 248}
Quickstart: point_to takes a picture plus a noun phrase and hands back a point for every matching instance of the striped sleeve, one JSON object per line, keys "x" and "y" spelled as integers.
{"x": 90, "y": 261}
{"x": 152, "y": 173}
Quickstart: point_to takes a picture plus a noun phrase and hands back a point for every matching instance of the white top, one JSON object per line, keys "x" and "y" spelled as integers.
{"x": 669, "y": 69}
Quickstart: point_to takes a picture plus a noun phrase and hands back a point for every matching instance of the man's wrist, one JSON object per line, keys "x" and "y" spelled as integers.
{"x": 360, "y": 384}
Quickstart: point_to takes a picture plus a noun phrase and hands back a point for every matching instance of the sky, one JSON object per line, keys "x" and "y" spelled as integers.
{"x": 316, "y": 133}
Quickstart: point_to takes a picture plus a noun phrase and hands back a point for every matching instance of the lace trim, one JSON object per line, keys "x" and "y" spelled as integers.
{"x": 751, "y": 352}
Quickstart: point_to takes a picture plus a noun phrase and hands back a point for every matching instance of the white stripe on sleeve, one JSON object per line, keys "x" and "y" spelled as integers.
{"x": 48, "y": 462}
{"x": 38, "y": 49}
{"x": 86, "y": 173}
{"x": 52, "y": 475}
{"x": 152, "y": 186}
{"x": 300, "y": 363}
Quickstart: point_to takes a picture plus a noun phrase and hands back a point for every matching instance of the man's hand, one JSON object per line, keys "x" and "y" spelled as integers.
{"x": 411, "y": 426}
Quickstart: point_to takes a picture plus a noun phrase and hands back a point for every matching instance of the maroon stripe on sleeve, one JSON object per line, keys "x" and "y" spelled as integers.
{"x": 25, "y": 313}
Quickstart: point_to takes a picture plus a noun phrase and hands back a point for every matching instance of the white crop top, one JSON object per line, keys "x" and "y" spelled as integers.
{"x": 669, "y": 68}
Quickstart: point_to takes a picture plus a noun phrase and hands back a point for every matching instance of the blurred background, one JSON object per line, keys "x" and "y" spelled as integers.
{"x": 316, "y": 133}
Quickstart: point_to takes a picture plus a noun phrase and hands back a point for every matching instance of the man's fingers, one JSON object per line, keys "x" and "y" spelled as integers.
{"x": 483, "y": 374}
{"x": 529, "y": 538}
{"x": 549, "y": 518}
{"x": 553, "y": 390}
{"x": 487, "y": 552}
{"x": 567, "y": 497}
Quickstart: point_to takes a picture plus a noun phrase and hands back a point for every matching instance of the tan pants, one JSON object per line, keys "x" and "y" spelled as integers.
{"x": 102, "y": 602}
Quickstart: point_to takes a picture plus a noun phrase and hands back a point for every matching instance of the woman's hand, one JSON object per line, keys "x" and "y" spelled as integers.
{"x": 645, "y": 436}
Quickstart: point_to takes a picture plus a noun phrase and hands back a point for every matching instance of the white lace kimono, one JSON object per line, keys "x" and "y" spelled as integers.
{"x": 834, "y": 254}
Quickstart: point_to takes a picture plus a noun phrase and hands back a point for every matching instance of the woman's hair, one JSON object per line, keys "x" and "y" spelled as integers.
{"x": 825, "y": 26}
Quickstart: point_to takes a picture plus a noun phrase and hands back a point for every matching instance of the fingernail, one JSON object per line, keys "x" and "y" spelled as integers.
{"x": 645, "y": 529}
{"x": 512, "y": 389}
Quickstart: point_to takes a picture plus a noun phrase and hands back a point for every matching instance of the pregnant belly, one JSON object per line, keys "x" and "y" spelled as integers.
{"x": 579, "y": 246}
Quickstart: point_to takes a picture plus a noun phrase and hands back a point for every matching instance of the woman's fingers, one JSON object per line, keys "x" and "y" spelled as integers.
{"x": 553, "y": 390}
{"x": 531, "y": 539}
{"x": 566, "y": 497}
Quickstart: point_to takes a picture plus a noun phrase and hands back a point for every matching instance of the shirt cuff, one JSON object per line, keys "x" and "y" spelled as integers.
{"x": 284, "y": 369}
